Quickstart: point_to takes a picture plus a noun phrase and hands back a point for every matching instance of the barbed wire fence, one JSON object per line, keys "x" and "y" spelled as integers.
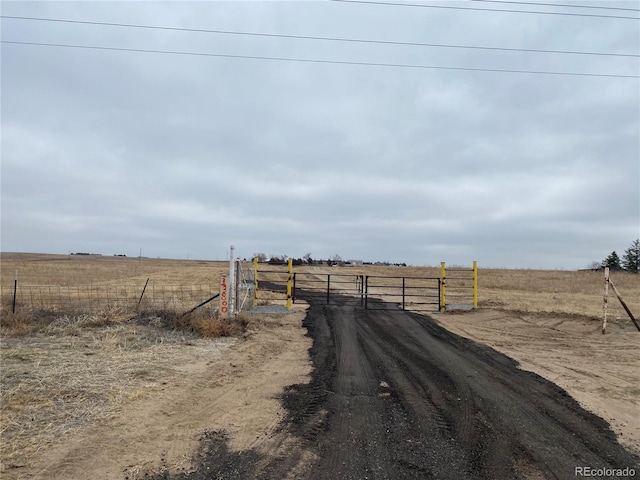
{"x": 46, "y": 294}
{"x": 90, "y": 299}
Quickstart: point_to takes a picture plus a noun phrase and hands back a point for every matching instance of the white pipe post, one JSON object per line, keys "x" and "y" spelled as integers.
{"x": 232, "y": 281}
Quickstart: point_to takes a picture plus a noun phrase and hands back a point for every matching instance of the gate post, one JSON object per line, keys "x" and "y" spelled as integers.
{"x": 366, "y": 292}
{"x": 255, "y": 281}
{"x": 443, "y": 283}
{"x": 294, "y": 288}
{"x": 402, "y": 293}
{"x": 289, "y": 281}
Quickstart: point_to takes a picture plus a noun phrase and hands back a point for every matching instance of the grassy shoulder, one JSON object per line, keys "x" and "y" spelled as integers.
{"x": 62, "y": 372}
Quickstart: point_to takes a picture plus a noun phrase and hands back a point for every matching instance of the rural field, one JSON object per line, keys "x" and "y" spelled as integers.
{"x": 104, "y": 375}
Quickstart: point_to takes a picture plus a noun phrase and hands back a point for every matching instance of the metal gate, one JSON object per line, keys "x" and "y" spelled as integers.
{"x": 410, "y": 293}
{"x": 368, "y": 291}
{"x": 329, "y": 288}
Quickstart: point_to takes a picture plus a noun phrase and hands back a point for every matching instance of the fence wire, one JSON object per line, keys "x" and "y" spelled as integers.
{"x": 246, "y": 279}
{"x": 99, "y": 298}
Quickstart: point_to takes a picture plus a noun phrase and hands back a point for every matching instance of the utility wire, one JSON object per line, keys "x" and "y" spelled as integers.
{"x": 560, "y": 5}
{"x": 332, "y": 39}
{"x": 308, "y": 60}
{"x": 450, "y": 7}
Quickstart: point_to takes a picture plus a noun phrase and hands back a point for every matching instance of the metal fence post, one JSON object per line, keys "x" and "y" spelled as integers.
{"x": 15, "y": 289}
{"x": 366, "y": 292}
{"x": 255, "y": 281}
{"x": 328, "y": 287}
{"x": 293, "y": 295}
{"x": 232, "y": 281}
{"x": 443, "y": 284}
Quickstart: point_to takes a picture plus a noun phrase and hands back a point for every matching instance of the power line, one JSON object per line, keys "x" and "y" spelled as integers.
{"x": 560, "y": 5}
{"x": 308, "y": 60}
{"x": 308, "y": 37}
{"x": 450, "y": 7}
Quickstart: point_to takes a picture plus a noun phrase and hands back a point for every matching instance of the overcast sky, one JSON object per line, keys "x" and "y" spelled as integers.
{"x": 110, "y": 151}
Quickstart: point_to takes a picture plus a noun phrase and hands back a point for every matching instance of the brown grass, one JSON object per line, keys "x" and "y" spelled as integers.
{"x": 66, "y": 368}
{"x": 69, "y": 376}
{"x": 520, "y": 290}
{"x": 79, "y": 270}
{"x": 76, "y": 370}
{"x": 556, "y": 291}
{"x": 571, "y": 292}
{"x": 215, "y": 327}
{"x": 63, "y": 370}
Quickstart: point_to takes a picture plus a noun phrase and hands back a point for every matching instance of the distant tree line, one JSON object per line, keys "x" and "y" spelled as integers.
{"x": 333, "y": 260}
{"x": 283, "y": 259}
{"x": 630, "y": 261}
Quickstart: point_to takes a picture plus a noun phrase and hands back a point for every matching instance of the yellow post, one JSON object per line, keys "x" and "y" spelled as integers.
{"x": 475, "y": 284}
{"x": 289, "y": 282}
{"x": 255, "y": 281}
{"x": 606, "y": 300}
{"x": 443, "y": 282}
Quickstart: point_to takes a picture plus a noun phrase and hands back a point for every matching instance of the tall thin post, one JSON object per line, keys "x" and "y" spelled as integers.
{"x": 293, "y": 296}
{"x": 15, "y": 290}
{"x": 328, "y": 287}
{"x": 605, "y": 300}
{"x": 143, "y": 290}
{"x": 403, "y": 303}
{"x": 443, "y": 283}
{"x": 236, "y": 292}
{"x": 475, "y": 284}
{"x": 366, "y": 292}
{"x": 232, "y": 280}
{"x": 289, "y": 281}
{"x": 255, "y": 281}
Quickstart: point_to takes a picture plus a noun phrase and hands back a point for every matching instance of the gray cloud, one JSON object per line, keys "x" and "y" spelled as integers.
{"x": 109, "y": 151}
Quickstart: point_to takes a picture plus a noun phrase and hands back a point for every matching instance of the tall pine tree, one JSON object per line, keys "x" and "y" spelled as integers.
{"x": 631, "y": 257}
{"x": 612, "y": 261}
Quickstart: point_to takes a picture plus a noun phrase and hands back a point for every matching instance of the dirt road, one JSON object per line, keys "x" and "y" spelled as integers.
{"x": 393, "y": 395}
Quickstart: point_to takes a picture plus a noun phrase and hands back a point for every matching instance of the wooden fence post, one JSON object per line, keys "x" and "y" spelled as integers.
{"x": 605, "y": 300}
{"x": 289, "y": 281}
{"x": 475, "y": 284}
{"x": 624, "y": 305}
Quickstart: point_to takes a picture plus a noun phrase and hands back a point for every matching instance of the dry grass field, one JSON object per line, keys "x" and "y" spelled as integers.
{"x": 65, "y": 365}
{"x": 67, "y": 369}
